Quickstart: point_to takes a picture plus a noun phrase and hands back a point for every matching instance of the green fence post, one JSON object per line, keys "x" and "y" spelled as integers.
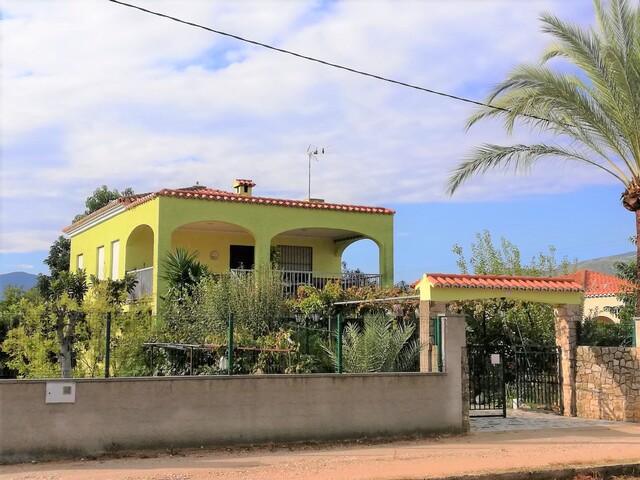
{"x": 230, "y": 346}
{"x": 306, "y": 335}
{"x": 634, "y": 335}
{"x": 107, "y": 353}
{"x": 438, "y": 340}
{"x": 339, "y": 326}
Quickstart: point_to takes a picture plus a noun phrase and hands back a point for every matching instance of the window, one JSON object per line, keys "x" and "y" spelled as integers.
{"x": 79, "y": 262}
{"x": 296, "y": 258}
{"x": 115, "y": 259}
{"x": 241, "y": 256}
{"x": 100, "y": 269}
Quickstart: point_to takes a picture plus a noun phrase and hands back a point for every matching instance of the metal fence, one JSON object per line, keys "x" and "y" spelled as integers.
{"x": 487, "y": 388}
{"x": 537, "y": 376}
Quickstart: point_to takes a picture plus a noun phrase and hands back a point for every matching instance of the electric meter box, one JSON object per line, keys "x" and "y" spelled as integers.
{"x": 60, "y": 392}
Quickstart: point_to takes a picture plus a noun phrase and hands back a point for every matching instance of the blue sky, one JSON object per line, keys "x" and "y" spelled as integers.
{"x": 94, "y": 93}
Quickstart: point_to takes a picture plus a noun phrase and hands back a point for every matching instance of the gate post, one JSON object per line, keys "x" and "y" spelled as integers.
{"x": 428, "y": 312}
{"x": 566, "y": 318}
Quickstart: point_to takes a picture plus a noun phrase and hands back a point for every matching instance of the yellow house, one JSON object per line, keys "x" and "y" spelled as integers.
{"x": 227, "y": 230}
{"x": 601, "y": 293}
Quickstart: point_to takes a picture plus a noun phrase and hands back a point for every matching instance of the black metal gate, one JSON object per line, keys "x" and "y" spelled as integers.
{"x": 487, "y": 393}
{"x": 537, "y": 376}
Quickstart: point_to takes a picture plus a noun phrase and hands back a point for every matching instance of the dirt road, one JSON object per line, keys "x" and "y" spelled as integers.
{"x": 478, "y": 452}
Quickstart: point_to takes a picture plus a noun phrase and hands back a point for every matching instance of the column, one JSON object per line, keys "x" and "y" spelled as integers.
{"x": 262, "y": 251}
{"x": 385, "y": 263}
{"x": 455, "y": 362}
{"x": 428, "y": 312}
{"x": 566, "y": 318}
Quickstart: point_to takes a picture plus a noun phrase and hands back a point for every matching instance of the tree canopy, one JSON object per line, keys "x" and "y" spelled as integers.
{"x": 100, "y": 198}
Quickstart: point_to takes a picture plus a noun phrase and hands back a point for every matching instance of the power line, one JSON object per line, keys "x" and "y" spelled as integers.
{"x": 323, "y": 62}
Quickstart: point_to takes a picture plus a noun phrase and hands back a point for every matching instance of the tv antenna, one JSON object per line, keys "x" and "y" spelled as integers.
{"x": 313, "y": 153}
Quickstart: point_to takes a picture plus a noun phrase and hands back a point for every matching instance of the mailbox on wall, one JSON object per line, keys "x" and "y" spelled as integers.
{"x": 60, "y": 392}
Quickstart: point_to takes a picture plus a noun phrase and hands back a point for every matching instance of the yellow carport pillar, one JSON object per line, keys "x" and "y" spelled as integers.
{"x": 428, "y": 312}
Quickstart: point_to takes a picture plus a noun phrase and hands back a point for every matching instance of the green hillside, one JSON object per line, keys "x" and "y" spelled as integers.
{"x": 605, "y": 264}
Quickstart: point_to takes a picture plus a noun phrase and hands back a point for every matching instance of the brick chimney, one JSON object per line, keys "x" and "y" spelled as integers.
{"x": 243, "y": 187}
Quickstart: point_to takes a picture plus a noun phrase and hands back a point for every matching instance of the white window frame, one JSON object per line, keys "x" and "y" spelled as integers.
{"x": 100, "y": 262}
{"x": 115, "y": 259}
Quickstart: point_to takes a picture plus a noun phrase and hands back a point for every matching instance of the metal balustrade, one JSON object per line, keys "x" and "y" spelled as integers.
{"x": 292, "y": 280}
{"x": 144, "y": 284}
{"x": 297, "y": 278}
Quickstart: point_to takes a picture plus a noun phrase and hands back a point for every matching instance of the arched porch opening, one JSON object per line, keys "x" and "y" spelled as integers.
{"x": 139, "y": 259}
{"x": 604, "y": 320}
{"x": 314, "y": 256}
{"x": 220, "y": 246}
{"x": 360, "y": 262}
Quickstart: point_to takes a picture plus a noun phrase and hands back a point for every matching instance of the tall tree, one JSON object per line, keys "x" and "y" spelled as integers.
{"x": 58, "y": 259}
{"x": 101, "y": 197}
{"x": 592, "y": 109}
{"x": 506, "y": 322}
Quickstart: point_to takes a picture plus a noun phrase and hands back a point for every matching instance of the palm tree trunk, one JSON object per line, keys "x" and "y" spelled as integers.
{"x": 637, "y": 212}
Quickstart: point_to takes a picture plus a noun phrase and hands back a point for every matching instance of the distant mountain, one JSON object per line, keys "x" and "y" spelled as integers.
{"x": 18, "y": 279}
{"x": 605, "y": 264}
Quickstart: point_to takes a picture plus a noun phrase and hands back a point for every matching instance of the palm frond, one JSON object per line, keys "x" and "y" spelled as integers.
{"x": 519, "y": 157}
{"x": 596, "y": 111}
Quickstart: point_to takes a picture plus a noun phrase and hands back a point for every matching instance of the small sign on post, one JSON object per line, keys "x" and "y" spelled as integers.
{"x": 495, "y": 359}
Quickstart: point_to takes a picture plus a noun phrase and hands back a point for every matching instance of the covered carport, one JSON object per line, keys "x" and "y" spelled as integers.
{"x": 437, "y": 289}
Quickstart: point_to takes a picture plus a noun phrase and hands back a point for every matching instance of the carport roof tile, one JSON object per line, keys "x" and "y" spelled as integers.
{"x": 503, "y": 282}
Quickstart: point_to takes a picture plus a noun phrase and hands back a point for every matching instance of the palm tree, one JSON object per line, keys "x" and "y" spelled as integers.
{"x": 379, "y": 346}
{"x": 592, "y": 111}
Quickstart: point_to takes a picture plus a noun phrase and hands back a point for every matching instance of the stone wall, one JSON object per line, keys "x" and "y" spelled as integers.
{"x": 608, "y": 383}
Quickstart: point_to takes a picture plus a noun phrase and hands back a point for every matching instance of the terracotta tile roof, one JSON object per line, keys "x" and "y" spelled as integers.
{"x": 222, "y": 196}
{"x": 126, "y": 201}
{"x": 597, "y": 284}
{"x": 203, "y": 193}
{"x": 503, "y": 282}
{"x": 241, "y": 182}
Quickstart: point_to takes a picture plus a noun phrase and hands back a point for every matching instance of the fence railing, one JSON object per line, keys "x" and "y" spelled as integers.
{"x": 297, "y": 278}
{"x": 304, "y": 347}
{"x": 144, "y": 284}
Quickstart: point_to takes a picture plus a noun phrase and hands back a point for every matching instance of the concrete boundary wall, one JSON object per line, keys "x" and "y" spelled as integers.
{"x": 114, "y": 414}
{"x": 133, "y": 413}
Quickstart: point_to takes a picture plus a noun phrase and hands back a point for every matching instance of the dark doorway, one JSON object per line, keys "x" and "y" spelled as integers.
{"x": 241, "y": 256}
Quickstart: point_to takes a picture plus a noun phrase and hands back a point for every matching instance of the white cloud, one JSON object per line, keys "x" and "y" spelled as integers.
{"x": 24, "y": 266}
{"x": 26, "y": 241}
{"x": 136, "y": 100}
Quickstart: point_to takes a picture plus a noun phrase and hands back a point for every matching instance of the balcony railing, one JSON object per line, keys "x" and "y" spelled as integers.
{"x": 292, "y": 280}
{"x": 144, "y": 285}
{"x": 297, "y": 278}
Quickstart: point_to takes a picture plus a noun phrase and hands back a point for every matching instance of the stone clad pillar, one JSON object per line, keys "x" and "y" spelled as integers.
{"x": 566, "y": 318}
{"x": 428, "y": 354}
